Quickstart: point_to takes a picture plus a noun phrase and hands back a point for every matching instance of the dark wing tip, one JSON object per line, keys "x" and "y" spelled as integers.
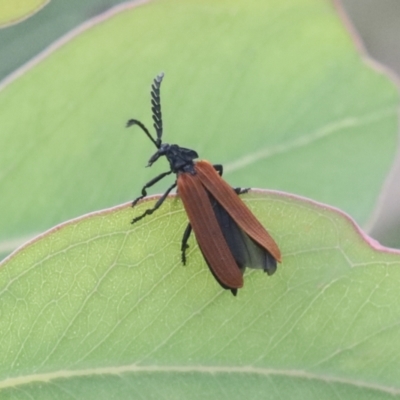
{"x": 269, "y": 264}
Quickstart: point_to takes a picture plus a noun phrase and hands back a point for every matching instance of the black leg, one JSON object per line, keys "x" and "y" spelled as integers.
{"x": 219, "y": 168}
{"x": 157, "y": 205}
{"x": 239, "y": 191}
{"x": 184, "y": 245}
{"x": 149, "y": 184}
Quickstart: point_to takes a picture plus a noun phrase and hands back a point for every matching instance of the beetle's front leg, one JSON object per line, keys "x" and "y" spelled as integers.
{"x": 156, "y": 206}
{"x": 149, "y": 184}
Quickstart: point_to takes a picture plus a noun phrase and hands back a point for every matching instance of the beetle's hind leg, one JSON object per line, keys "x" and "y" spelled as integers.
{"x": 240, "y": 191}
{"x": 220, "y": 169}
{"x": 184, "y": 245}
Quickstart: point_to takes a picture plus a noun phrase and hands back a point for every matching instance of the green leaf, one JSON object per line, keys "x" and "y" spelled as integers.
{"x": 21, "y": 42}
{"x": 12, "y": 12}
{"x": 275, "y": 91}
{"x": 99, "y": 308}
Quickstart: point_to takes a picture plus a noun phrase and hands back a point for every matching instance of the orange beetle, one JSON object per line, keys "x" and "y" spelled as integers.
{"x": 229, "y": 236}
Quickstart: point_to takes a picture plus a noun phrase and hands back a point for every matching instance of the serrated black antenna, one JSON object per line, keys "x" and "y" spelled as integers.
{"x": 156, "y": 106}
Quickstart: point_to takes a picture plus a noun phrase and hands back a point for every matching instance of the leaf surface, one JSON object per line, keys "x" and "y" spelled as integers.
{"x": 100, "y": 308}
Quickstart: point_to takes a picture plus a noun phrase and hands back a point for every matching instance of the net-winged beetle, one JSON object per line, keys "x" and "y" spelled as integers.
{"x": 228, "y": 234}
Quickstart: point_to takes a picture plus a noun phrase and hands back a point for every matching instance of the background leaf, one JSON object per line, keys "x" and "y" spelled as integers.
{"x": 21, "y": 42}
{"x": 95, "y": 309}
{"x": 12, "y": 12}
{"x": 275, "y": 91}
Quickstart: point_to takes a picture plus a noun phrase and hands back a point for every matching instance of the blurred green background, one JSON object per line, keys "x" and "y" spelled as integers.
{"x": 377, "y": 25}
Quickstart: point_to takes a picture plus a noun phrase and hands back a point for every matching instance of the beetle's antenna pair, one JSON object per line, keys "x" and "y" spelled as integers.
{"x": 156, "y": 108}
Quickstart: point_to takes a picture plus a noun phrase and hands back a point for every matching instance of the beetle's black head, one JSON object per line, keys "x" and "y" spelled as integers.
{"x": 179, "y": 158}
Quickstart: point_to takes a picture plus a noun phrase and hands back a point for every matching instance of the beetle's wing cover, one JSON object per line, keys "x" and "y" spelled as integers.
{"x": 235, "y": 207}
{"x": 207, "y": 231}
{"x": 245, "y": 251}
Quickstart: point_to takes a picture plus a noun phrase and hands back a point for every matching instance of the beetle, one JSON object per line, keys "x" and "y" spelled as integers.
{"x": 228, "y": 234}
